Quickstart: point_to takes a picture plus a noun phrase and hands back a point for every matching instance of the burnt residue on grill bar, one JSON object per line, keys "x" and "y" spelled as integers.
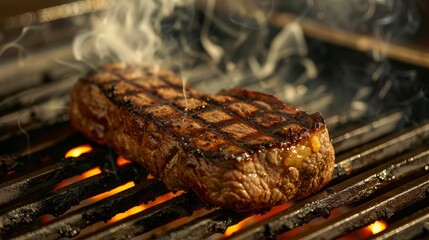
{"x": 409, "y": 227}
{"x": 161, "y": 214}
{"x": 38, "y": 180}
{"x": 72, "y": 223}
{"x": 59, "y": 201}
{"x": 383, "y": 207}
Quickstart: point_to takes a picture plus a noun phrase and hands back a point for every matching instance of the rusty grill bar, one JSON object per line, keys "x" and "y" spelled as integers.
{"x": 378, "y": 174}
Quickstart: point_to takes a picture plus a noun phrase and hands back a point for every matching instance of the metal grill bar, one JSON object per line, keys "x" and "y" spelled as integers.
{"x": 181, "y": 206}
{"x": 366, "y": 132}
{"x": 49, "y": 176}
{"x": 352, "y": 190}
{"x": 71, "y": 224}
{"x": 59, "y": 201}
{"x": 13, "y": 141}
{"x": 377, "y": 151}
{"x": 409, "y": 227}
{"x": 203, "y": 227}
{"x": 383, "y": 207}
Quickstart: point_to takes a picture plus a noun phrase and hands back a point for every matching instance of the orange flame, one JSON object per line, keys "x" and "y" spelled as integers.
{"x": 234, "y": 228}
{"x": 91, "y": 172}
{"x": 127, "y": 213}
{"x": 113, "y": 191}
{"x": 121, "y": 161}
{"x": 255, "y": 218}
{"x": 79, "y": 150}
{"x": 150, "y": 176}
{"x": 142, "y": 207}
{"x": 76, "y": 152}
{"x": 377, "y": 227}
{"x": 366, "y": 232}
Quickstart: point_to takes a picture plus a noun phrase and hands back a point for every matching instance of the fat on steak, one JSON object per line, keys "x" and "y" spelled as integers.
{"x": 238, "y": 149}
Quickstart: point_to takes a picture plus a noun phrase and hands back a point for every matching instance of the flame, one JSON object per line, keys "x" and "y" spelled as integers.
{"x": 234, "y": 228}
{"x": 79, "y": 150}
{"x": 129, "y": 212}
{"x": 377, "y": 227}
{"x": 113, "y": 191}
{"x": 91, "y": 172}
{"x": 121, "y": 161}
{"x": 150, "y": 176}
{"x": 366, "y": 232}
{"x": 255, "y": 218}
{"x": 76, "y": 152}
{"x": 142, "y": 207}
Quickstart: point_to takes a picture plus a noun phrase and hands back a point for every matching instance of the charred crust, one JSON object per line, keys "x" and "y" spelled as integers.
{"x": 280, "y": 138}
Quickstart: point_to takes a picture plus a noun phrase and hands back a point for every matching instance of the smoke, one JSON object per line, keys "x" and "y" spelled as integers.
{"x": 129, "y": 32}
{"x": 29, "y": 36}
{"x": 223, "y": 40}
{"x": 365, "y": 85}
{"x": 219, "y": 44}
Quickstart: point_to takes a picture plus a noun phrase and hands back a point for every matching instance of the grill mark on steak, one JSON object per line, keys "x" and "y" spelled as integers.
{"x": 273, "y": 131}
{"x": 159, "y": 101}
{"x": 232, "y": 119}
{"x": 268, "y": 136}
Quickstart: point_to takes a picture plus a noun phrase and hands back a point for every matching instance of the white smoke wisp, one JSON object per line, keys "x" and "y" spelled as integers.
{"x": 21, "y": 43}
{"x": 129, "y": 32}
{"x": 218, "y": 49}
{"x": 289, "y": 42}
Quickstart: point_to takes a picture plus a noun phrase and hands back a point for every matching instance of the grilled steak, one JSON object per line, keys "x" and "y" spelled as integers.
{"x": 239, "y": 149}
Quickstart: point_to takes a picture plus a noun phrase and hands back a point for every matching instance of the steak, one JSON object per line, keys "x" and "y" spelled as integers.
{"x": 238, "y": 149}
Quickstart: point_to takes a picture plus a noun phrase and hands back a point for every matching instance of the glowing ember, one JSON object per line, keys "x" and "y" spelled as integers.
{"x": 232, "y": 229}
{"x": 142, "y": 207}
{"x": 253, "y": 219}
{"x": 377, "y": 227}
{"x": 129, "y": 212}
{"x": 77, "y": 151}
{"x": 150, "y": 176}
{"x": 113, "y": 191}
{"x": 91, "y": 172}
{"x": 366, "y": 232}
{"x": 121, "y": 161}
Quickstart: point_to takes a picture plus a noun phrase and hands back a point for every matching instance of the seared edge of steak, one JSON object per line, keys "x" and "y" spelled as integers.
{"x": 215, "y": 155}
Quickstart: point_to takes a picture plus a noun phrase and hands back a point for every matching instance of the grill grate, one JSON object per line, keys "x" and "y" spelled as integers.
{"x": 71, "y": 224}
{"x": 379, "y": 208}
{"x": 378, "y": 178}
{"x": 409, "y": 227}
{"x": 59, "y": 201}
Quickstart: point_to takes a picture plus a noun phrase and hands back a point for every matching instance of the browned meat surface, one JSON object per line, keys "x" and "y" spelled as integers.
{"x": 240, "y": 150}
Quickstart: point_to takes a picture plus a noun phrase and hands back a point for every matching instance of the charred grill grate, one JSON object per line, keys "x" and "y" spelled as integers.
{"x": 379, "y": 179}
